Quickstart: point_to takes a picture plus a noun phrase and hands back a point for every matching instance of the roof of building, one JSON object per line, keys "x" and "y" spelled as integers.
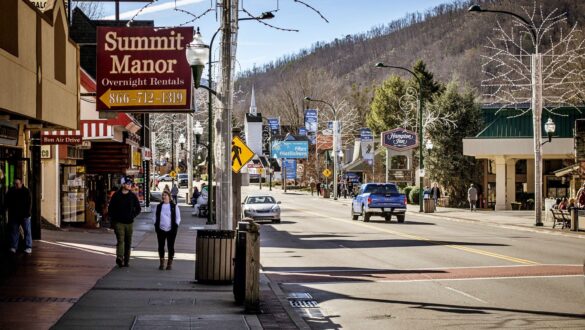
{"x": 506, "y": 123}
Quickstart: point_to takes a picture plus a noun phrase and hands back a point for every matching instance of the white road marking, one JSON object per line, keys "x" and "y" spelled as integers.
{"x": 431, "y": 280}
{"x": 466, "y": 294}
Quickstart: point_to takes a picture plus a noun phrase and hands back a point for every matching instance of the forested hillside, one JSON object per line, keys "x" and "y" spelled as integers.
{"x": 447, "y": 38}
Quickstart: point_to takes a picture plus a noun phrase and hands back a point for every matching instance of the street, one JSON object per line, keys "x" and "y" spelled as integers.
{"x": 425, "y": 273}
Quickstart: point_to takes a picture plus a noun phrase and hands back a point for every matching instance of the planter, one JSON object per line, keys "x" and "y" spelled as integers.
{"x": 516, "y": 206}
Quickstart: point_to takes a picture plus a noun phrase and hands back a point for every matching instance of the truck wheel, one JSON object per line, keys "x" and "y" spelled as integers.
{"x": 353, "y": 215}
{"x": 367, "y": 217}
{"x": 400, "y": 218}
{"x": 388, "y": 218}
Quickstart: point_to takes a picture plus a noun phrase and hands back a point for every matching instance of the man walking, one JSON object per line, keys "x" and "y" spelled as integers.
{"x": 435, "y": 193}
{"x": 472, "y": 197}
{"x": 124, "y": 207}
{"x": 18, "y": 202}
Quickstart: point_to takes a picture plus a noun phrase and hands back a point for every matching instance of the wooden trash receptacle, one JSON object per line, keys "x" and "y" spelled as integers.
{"x": 429, "y": 205}
{"x": 215, "y": 251}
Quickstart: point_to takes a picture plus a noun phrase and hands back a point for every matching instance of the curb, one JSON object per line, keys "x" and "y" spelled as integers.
{"x": 294, "y": 316}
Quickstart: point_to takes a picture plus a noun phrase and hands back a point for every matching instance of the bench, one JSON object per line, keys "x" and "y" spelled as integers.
{"x": 562, "y": 217}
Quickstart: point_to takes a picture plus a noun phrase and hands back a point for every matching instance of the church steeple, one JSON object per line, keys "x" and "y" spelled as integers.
{"x": 253, "y": 109}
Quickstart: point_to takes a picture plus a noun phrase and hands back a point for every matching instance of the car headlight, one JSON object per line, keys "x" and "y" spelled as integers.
{"x": 276, "y": 208}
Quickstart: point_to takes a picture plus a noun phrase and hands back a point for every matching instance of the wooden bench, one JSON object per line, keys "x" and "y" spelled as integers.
{"x": 562, "y": 217}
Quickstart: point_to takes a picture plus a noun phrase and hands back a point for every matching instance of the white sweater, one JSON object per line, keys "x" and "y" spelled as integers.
{"x": 165, "y": 216}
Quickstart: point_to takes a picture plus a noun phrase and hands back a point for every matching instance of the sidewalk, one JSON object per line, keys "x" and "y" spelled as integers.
{"x": 71, "y": 282}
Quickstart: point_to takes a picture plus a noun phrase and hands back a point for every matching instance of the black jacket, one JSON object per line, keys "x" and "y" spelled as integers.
{"x": 173, "y": 208}
{"x": 123, "y": 208}
{"x": 18, "y": 203}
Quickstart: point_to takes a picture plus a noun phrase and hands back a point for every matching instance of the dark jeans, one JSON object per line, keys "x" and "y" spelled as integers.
{"x": 124, "y": 240}
{"x": 168, "y": 236}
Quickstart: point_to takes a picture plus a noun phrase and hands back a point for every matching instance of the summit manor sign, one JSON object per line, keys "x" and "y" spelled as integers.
{"x": 143, "y": 69}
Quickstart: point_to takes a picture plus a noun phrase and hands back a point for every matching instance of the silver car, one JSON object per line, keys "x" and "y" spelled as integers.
{"x": 261, "y": 207}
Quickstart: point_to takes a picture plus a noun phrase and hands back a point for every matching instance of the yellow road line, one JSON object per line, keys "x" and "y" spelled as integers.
{"x": 420, "y": 238}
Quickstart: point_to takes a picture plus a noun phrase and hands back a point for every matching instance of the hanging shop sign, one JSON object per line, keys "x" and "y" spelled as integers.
{"x": 46, "y": 152}
{"x": 399, "y": 139}
{"x": 367, "y": 143}
{"x": 311, "y": 124}
{"x": 48, "y": 137}
{"x": 143, "y": 69}
{"x": 274, "y": 125}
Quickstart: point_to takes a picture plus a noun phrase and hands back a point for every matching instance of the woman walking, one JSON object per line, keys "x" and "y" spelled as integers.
{"x": 166, "y": 225}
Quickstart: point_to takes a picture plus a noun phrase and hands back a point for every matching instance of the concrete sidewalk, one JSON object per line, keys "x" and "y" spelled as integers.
{"x": 71, "y": 282}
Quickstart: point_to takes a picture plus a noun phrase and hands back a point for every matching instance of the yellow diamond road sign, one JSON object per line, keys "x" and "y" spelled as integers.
{"x": 327, "y": 172}
{"x": 241, "y": 154}
{"x": 173, "y": 174}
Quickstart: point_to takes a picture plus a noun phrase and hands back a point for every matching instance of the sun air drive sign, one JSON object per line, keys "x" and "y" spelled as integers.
{"x": 399, "y": 139}
{"x": 143, "y": 69}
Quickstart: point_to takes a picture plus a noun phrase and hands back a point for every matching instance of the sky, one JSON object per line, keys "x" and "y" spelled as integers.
{"x": 259, "y": 44}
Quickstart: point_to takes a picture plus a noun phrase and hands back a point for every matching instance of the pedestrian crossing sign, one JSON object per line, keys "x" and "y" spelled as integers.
{"x": 241, "y": 154}
{"x": 327, "y": 172}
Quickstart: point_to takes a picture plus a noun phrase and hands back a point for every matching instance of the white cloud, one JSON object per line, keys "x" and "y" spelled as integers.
{"x": 154, "y": 9}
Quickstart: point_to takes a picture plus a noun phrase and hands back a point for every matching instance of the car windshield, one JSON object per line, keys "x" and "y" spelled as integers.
{"x": 260, "y": 200}
{"x": 381, "y": 189}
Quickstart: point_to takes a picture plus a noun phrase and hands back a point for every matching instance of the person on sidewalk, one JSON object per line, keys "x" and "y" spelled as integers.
{"x": 18, "y": 202}
{"x": 175, "y": 192}
{"x": 581, "y": 196}
{"x": 124, "y": 207}
{"x": 312, "y": 185}
{"x": 435, "y": 193}
{"x": 472, "y": 197}
{"x": 166, "y": 224}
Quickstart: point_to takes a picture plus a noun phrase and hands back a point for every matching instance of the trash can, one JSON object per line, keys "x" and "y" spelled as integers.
{"x": 214, "y": 250}
{"x": 325, "y": 193}
{"x": 428, "y": 205}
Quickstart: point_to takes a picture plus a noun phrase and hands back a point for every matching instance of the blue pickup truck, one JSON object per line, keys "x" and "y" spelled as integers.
{"x": 382, "y": 199}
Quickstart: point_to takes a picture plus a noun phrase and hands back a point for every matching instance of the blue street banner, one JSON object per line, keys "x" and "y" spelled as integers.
{"x": 367, "y": 143}
{"x": 274, "y": 124}
{"x": 311, "y": 117}
{"x": 290, "y": 149}
{"x": 290, "y": 166}
{"x": 302, "y": 131}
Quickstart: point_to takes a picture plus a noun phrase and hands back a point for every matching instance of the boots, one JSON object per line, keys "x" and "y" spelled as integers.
{"x": 169, "y": 264}
{"x": 162, "y": 264}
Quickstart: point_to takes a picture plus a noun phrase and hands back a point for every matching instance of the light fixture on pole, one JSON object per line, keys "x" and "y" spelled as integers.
{"x": 420, "y": 127}
{"x": 429, "y": 144}
{"x": 197, "y": 52}
{"x": 536, "y": 105}
{"x": 182, "y": 141}
{"x": 550, "y": 129}
{"x": 335, "y": 142}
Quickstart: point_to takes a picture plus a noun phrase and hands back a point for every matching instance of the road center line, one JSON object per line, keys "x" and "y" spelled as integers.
{"x": 420, "y": 238}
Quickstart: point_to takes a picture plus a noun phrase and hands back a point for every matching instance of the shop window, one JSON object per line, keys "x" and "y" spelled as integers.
{"x": 399, "y": 163}
{"x": 9, "y": 26}
{"x": 491, "y": 166}
{"x": 60, "y": 50}
{"x": 73, "y": 193}
{"x": 521, "y": 166}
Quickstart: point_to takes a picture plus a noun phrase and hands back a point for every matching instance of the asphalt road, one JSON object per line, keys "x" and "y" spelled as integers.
{"x": 422, "y": 274}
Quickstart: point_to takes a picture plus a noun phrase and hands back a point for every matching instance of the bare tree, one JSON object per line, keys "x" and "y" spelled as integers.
{"x": 93, "y": 10}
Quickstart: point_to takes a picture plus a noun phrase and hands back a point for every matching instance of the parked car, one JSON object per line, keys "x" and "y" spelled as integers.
{"x": 381, "y": 199}
{"x": 183, "y": 179}
{"x": 165, "y": 177}
{"x": 261, "y": 207}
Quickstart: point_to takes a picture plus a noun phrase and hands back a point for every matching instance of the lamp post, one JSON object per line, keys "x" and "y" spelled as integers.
{"x": 420, "y": 128}
{"x": 335, "y": 141}
{"x": 198, "y": 131}
{"x": 536, "y": 104}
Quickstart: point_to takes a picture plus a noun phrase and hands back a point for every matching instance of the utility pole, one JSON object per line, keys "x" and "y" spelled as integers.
{"x": 229, "y": 19}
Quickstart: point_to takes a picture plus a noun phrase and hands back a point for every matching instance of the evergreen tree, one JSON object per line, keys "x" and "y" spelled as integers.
{"x": 385, "y": 107}
{"x": 445, "y": 163}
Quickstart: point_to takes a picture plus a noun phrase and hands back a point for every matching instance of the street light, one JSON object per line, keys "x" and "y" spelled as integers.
{"x": 182, "y": 141}
{"x": 197, "y": 53}
{"x": 549, "y": 128}
{"x": 335, "y": 138}
{"x": 420, "y": 127}
{"x": 536, "y": 77}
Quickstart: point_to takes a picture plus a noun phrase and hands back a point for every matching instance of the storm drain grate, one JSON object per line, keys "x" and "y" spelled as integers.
{"x": 4, "y": 299}
{"x": 303, "y": 303}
